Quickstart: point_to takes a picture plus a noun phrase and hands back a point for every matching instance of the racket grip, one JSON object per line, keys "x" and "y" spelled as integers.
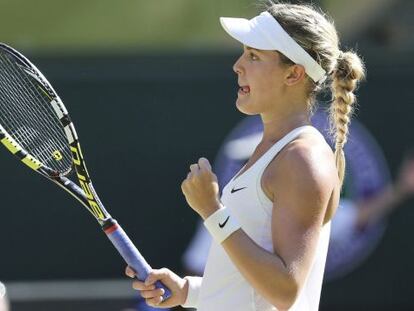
{"x": 130, "y": 253}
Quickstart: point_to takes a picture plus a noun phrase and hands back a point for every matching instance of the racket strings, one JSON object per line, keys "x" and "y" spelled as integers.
{"x": 22, "y": 97}
{"x": 28, "y": 134}
{"x": 33, "y": 141}
{"x": 22, "y": 133}
{"x": 27, "y": 115}
{"x": 11, "y": 117}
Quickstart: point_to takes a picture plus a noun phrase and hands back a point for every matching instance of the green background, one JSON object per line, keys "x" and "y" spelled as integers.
{"x": 150, "y": 88}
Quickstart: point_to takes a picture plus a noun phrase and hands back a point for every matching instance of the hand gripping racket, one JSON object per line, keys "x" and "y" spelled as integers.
{"x": 35, "y": 126}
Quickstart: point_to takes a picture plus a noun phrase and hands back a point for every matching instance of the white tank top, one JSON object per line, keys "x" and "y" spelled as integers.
{"x": 223, "y": 287}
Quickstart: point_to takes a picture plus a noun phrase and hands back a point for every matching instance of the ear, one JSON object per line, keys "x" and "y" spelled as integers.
{"x": 295, "y": 74}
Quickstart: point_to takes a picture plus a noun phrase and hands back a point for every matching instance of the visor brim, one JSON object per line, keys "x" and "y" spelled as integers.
{"x": 245, "y": 32}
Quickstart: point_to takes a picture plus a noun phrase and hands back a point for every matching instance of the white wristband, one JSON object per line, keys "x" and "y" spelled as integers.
{"x": 221, "y": 224}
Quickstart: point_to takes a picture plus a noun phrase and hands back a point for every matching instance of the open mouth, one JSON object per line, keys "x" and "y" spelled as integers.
{"x": 244, "y": 90}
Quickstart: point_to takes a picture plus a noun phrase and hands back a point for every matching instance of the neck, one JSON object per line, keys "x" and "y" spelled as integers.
{"x": 277, "y": 126}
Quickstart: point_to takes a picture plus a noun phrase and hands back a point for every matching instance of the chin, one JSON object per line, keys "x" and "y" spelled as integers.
{"x": 244, "y": 107}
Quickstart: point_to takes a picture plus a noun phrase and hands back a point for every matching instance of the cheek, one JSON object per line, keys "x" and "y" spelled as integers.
{"x": 271, "y": 83}
{"x": 266, "y": 87}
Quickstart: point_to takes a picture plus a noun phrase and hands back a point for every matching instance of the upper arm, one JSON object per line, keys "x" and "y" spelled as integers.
{"x": 301, "y": 183}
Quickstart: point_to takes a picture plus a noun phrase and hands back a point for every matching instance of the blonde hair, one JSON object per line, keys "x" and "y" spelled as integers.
{"x": 314, "y": 31}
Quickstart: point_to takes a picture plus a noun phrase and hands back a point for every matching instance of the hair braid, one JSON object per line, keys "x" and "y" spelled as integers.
{"x": 348, "y": 71}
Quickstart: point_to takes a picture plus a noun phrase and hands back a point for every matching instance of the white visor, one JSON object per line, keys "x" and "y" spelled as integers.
{"x": 263, "y": 32}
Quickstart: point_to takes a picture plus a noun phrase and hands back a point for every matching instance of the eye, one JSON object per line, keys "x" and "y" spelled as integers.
{"x": 253, "y": 56}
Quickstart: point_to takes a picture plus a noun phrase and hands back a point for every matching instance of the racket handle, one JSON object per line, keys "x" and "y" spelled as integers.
{"x": 130, "y": 253}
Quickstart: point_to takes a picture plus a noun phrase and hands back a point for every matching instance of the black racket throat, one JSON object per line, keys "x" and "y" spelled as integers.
{"x": 88, "y": 201}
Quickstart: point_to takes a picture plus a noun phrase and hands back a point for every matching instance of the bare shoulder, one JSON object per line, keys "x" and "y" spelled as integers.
{"x": 305, "y": 168}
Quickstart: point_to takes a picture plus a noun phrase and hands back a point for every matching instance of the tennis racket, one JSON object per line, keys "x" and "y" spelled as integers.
{"x": 35, "y": 126}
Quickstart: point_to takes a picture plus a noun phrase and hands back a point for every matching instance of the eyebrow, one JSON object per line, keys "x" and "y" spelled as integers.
{"x": 251, "y": 49}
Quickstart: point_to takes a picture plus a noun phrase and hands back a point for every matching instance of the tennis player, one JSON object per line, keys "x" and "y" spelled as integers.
{"x": 271, "y": 225}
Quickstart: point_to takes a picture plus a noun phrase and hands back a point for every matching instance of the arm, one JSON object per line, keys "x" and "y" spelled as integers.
{"x": 302, "y": 190}
{"x": 390, "y": 198}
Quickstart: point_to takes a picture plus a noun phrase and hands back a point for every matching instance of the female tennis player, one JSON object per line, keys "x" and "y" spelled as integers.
{"x": 271, "y": 225}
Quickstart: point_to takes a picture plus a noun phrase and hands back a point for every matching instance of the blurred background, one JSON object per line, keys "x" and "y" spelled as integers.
{"x": 150, "y": 87}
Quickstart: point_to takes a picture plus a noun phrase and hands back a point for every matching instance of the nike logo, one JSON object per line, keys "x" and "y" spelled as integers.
{"x": 238, "y": 189}
{"x": 224, "y": 223}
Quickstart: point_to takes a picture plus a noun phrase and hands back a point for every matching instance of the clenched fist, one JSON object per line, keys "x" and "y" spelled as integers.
{"x": 201, "y": 189}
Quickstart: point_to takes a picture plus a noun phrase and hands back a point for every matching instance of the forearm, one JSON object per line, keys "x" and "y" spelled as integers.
{"x": 376, "y": 208}
{"x": 265, "y": 271}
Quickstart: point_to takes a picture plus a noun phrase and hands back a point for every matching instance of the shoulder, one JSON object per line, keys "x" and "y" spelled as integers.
{"x": 305, "y": 167}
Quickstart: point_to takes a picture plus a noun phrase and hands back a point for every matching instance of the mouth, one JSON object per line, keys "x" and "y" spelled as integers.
{"x": 244, "y": 90}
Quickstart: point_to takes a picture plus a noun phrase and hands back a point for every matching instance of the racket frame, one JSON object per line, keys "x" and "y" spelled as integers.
{"x": 85, "y": 193}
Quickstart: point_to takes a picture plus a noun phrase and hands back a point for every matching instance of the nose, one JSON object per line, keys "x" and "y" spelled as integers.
{"x": 237, "y": 67}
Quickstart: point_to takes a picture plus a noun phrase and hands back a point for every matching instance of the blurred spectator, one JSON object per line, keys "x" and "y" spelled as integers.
{"x": 350, "y": 242}
{"x": 371, "y": 211}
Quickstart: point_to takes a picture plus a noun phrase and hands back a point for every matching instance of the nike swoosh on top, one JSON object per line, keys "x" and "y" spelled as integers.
{"x": 238, "y": 189}
{"x": 224, "y": 223}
